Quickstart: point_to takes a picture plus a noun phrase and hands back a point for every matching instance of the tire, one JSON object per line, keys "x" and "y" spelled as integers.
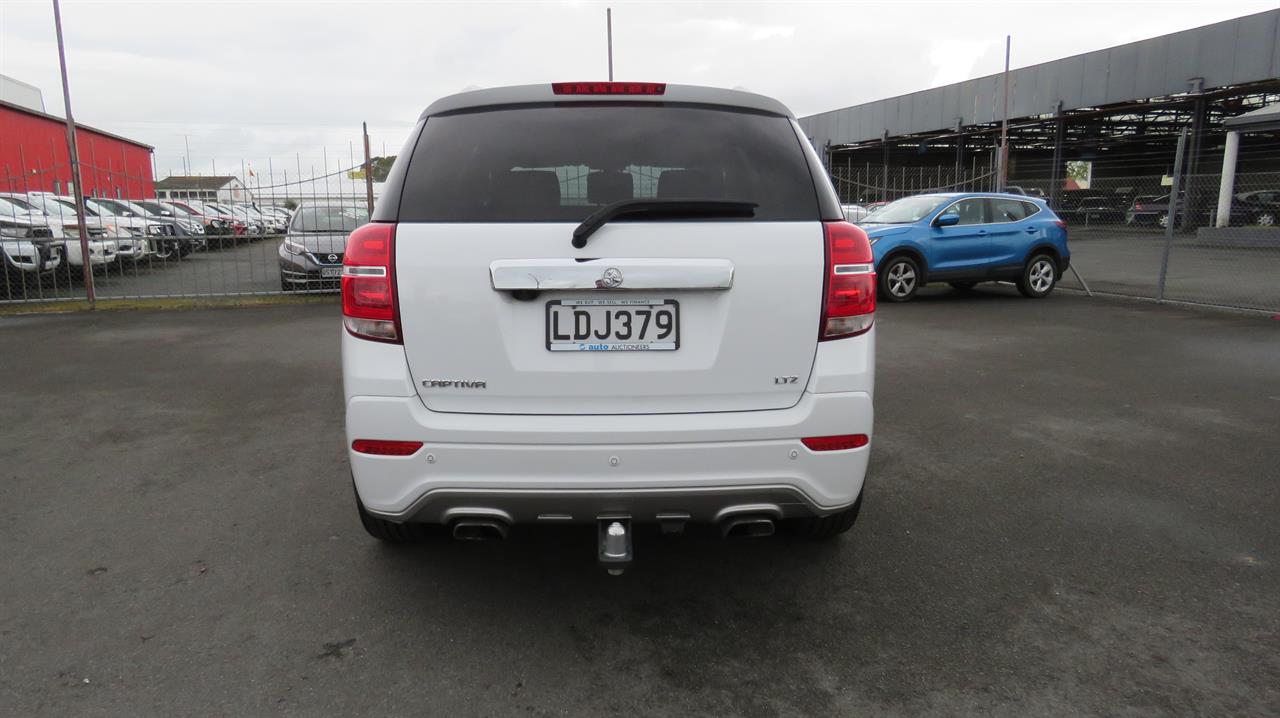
{"x": 899, "y": 278}
{"x": 1039, "y": 277}
{"x": 1266, "y": 219}
{"x": 821, "y": 528}
{"x": 963, "y": 286}
{"x": 1162, "y": 221}
{"x": 390, "y": 531}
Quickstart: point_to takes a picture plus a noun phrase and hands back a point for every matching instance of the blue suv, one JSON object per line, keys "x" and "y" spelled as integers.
{"x": 964, "y": 239}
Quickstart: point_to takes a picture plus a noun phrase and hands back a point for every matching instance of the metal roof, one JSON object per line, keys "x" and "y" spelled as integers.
{"x": 1234, "y": 52}
{"x": 526, "y": 94}
{"x": 1262, "y": 119}
{"x": 205, "y": 182}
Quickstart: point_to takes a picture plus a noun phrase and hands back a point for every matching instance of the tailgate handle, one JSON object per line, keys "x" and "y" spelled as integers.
{"x": 610, "y": 274}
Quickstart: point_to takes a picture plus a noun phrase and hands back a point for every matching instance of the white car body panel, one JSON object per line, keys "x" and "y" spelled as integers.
{"x": 733, "y": 342}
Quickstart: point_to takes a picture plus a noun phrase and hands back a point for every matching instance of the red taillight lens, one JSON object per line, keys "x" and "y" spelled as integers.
{"x": 383, "y": 447}
{"x": 849, "y": 288}
{"x": 835, "y": 443}
{"x": 609, "y": 88}
{"x": 369, "y": 309}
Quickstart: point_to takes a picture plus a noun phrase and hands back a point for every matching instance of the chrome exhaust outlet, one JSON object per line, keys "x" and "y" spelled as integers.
{"x": 479, "y": 530}
{"x": 753, "y": 526}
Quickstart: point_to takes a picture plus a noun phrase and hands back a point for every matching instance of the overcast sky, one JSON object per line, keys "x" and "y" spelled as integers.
{"x": 257, "y": 80}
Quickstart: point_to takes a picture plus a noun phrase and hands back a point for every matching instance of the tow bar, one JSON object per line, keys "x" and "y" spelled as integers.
{"x": 614, "y": 543}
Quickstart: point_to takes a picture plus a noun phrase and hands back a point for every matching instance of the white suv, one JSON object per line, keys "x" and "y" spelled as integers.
{"x": 608, "y": 303}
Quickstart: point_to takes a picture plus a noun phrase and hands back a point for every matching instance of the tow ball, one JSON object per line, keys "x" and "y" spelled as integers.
{"x": 614, "y": 550}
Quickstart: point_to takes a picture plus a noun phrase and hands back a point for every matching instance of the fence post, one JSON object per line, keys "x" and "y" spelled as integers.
{"x": 368, "y": 168}
{"x": 1171, "y": 217}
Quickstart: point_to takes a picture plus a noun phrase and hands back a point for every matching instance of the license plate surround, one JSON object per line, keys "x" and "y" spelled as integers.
{"x": 598, "y": 345}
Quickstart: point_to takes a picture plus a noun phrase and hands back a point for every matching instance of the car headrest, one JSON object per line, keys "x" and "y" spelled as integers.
{"x": 527, "y": 189}
{"x": 609, "y": 187}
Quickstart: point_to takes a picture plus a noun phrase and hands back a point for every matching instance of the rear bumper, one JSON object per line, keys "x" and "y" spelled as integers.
{"x": 574, "y": 468}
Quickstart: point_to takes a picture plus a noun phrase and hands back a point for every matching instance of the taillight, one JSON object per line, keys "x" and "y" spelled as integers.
{"x": 835, "y": 443}
{"x": 369, "y": 308}
{"x": 384, "y": 447}
{"x": 609, "y": 88}
{"x": 849, "y": 288}
{"x": 1061, "y": 223}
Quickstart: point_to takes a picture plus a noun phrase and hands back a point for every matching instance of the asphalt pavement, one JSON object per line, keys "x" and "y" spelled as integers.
{"x": 1071, "y": 511}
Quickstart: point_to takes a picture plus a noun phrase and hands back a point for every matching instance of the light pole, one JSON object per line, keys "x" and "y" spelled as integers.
{"x": 74, "y": 154}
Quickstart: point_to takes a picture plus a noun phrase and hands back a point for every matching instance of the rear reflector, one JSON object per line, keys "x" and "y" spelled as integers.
{"x": 369, "y": 308}
{"x": 849, "y": 287}
{"x": 835, "y": 443}
{"x": 382, "y": 447}
{"x": 609, "y": 88}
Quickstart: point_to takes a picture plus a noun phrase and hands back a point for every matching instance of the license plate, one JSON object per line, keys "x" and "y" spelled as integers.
{"x": 327, "y": 272}
{"x": 613, "y": 325}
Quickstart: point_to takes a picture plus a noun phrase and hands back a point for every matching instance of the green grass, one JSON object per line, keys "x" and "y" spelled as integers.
{"x": 163, "y": 303}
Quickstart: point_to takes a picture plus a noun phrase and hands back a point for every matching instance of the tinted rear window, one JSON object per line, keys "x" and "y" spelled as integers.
{"x": 560, "y": 163}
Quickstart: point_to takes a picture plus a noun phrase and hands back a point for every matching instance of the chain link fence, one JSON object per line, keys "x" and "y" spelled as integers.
{"x": 1127, "y": 237}
{"x": 196, "y": 236}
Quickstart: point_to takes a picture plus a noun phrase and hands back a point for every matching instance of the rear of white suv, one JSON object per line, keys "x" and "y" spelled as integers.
{"x": 608, "y": 303}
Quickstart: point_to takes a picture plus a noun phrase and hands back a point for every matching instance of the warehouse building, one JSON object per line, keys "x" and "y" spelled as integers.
{"x": 34, "y": 156}
{"x": 1107, "y": 120}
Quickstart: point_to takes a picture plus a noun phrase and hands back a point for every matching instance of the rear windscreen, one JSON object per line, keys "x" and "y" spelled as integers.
{"x": 560, "y": 163}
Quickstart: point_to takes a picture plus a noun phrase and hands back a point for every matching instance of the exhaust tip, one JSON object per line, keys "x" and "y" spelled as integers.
{"x": 479, "y": 530}
{"x": 747, "y": 526}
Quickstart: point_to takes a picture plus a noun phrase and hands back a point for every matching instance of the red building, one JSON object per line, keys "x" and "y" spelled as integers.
{"x": 34, "y": 157}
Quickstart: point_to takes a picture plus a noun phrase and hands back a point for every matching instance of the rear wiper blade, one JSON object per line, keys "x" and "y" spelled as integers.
{"x": 660, "y": 208}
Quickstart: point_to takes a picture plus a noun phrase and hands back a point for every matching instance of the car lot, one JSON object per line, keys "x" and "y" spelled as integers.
{"x": 1070, "y": 510}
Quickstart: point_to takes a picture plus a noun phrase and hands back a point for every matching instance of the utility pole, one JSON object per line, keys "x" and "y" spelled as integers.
{"x": 608, "y": 22}
{"x": 74, "y": 154}
{"x": 1004, "y": 125}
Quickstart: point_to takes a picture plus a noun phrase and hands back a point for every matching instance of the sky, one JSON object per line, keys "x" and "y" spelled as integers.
{"x": 287, "y": 84}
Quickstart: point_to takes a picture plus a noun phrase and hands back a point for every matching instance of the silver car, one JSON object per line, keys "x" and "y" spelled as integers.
{"x": 311, "y": 253}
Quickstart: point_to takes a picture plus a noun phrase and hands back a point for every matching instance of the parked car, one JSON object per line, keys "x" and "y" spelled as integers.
{"x": 246, "y": 216}
{"x": 102, "y": 252}
{"x": 130, "y": 246}
{"x": 854, "y": 212}
{"x": 311, "y": 253}
{"x": 27, "y": 253}
{"x": 270, "y": 222}
{"x": 216, "y": 224}
{"x": 522, "y": 350}
{"x": 1091, "y": 207}
{"x": 167, "y": 244}
{"x": 964, "y": 239}
{"x": 1260, "y": 207}
{"x": 1024, "y": 191}
{"x": 1150, "y": 210}
{"x": 192, "y": 227}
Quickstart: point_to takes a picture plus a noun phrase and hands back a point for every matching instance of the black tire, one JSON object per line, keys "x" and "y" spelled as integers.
{"x": 390, "y": 531}
{"x": 821, "y": 528}
{"x": 1039, "y": 277}
{"x": 963, "y": 286}
{"x": 1265, "y": 219}
{"x": 899, "y": 278}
